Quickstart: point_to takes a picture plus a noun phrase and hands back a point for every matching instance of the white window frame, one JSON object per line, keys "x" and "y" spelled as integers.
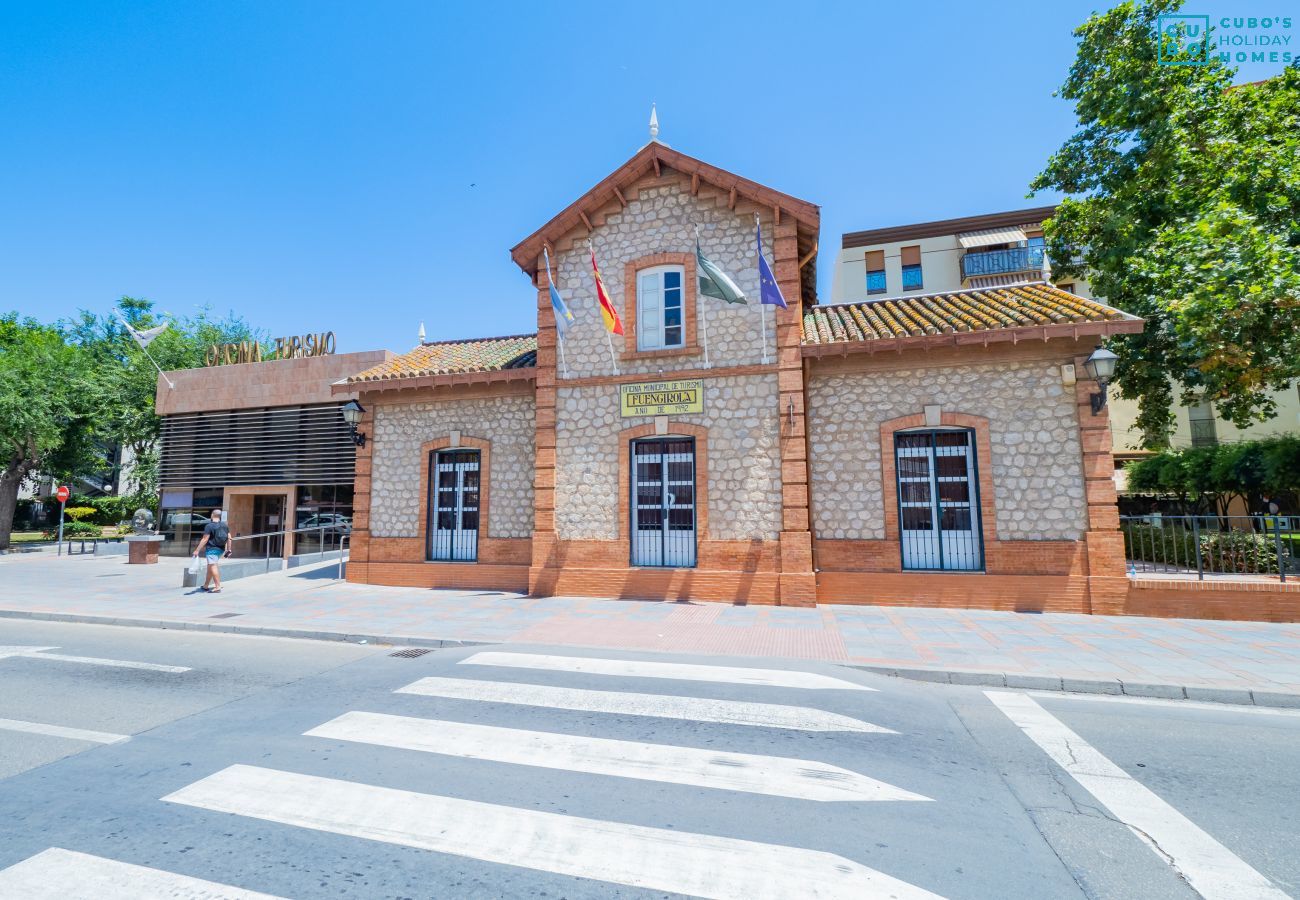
{"x": 650, "y": 314}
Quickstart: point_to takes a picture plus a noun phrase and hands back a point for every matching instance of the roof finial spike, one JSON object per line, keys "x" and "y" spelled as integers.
{"x": 654, "y": 123}
{"x": 1047, "y": 268}
{"x": 421, "y": 335}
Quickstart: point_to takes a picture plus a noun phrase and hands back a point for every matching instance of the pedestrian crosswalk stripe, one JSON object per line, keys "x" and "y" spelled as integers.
{"x": 41, "y": 653}
{"x": 773, "y": 775}
{"x": 654, "y": 858}
{"x": 663, "y": 706}
{"x": 1211, "y": 869}
{"x": 76, "y": 734}
{"x": 634, "y": 668}
{"x": 58, "y": 874}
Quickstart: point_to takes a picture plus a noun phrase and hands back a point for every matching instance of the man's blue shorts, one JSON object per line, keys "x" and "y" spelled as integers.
{"x": 213, "y": 556}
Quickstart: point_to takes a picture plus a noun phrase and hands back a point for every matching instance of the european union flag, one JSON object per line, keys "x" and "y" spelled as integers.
{"x": 769, "y": 290}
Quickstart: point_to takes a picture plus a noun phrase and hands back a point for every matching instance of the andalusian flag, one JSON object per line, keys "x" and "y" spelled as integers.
{"x": 713, "y": 281}
{"x": 607, "y": 312}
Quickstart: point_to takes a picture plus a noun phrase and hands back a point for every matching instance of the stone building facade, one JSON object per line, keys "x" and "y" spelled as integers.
{"x": 935, "y": 449}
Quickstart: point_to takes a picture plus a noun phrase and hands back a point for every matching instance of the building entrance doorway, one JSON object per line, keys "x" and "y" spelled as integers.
{"x": 268, "y": 515}
{"x": 938, "y": 500}
{"x": 453, "y": 505}
{"x": 663, "y": 502}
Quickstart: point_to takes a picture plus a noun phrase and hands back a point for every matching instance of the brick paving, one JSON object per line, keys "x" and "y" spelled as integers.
{"x": 1231, "y": 655}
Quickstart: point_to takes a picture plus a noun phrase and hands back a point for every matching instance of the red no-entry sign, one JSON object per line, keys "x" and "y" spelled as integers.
{"x": 62, "y": 493}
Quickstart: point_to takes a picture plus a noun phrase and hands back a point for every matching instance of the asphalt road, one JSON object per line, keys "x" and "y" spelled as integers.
{"x": 225, "y": 765}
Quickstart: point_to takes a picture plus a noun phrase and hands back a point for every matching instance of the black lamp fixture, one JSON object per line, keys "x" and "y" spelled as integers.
{"x": 352, "y": 413}
{"x": 1101, "y": 368}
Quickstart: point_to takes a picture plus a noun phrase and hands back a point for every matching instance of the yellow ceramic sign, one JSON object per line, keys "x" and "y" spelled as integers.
{"x": 661, "y": 398}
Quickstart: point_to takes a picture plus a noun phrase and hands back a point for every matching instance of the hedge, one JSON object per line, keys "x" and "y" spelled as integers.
{"x": 1271, "y": 466}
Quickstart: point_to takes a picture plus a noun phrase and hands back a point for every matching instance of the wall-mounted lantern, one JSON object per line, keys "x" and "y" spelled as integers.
{"x": 352, "y": 413}
{"x": 1101, "y": 368}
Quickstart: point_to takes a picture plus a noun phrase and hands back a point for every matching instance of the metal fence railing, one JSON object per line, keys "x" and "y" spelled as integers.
{"x": 1212, "y": 545}
{"x": 273, "y": 539}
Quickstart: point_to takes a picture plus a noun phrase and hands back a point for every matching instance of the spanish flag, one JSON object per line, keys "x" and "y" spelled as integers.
{"x": 607, "y": 311}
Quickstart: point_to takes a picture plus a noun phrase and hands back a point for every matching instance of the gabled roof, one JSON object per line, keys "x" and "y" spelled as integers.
{"x": 971, "y": 316}
{"x": 473, "y": 359}
{"x": 651, "y": 159}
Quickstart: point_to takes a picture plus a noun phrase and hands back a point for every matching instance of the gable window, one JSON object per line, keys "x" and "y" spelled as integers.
{"x": 911, "y": 259}
{"x": 659, "y": 305}
{"x": 876, "y": 272}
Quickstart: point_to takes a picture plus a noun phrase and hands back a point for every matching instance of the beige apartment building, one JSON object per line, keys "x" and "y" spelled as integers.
{"x": 985, "y": 251}
{"x": 1006, "y": 248}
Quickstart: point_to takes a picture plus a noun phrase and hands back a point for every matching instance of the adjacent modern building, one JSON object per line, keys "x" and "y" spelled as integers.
{"x": 265, "y": 442}
{"x": 927, "y": 438}
{"x": 984, "y": 251}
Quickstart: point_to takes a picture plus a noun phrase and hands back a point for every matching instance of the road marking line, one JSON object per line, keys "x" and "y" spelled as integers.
{"x": 39, "y": 653}
{"x": 655, "y": 858}
{"x": 57, "y": 874}
{"x": 680, "y": 671}
{"x": 776, "y": 776}
{"x": 695, "y": 709}
{"x": 77, "y": 734}
{"x": 1211, "y": 869}
{"x": 1168, "y": 703}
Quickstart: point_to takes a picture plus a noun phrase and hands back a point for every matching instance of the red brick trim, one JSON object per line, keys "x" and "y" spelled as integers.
{"x": 625, "y": 439}
{"x": 630, "y": 270}
{"x": 983, "y": 467}
{"x": 484, "y": 447}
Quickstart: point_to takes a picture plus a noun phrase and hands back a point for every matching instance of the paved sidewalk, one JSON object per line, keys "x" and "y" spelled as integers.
{"x": 1232, "y": 661}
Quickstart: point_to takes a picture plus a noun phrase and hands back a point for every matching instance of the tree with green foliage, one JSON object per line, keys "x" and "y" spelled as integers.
{"x": 50, "y": 396}
{"x": 130, "y": 379}
{"x": 1208, "y": 479}
{"x": 1183, "y": 207}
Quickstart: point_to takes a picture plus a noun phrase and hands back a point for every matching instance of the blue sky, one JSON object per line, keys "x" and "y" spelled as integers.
{"x": 360, "y": 167}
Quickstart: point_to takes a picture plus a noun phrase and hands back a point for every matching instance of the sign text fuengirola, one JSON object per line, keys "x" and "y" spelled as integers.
{"x": 661, "y": 398}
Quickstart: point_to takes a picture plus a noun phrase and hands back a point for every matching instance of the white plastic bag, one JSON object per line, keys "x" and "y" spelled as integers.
{"x": 196, "y": 566}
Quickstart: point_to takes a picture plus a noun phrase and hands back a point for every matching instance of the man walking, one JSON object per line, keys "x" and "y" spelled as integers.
{"x": 216, "y": 538}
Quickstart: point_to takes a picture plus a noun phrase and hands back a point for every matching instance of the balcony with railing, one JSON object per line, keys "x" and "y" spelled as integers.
{"x": 1001, "y": 262}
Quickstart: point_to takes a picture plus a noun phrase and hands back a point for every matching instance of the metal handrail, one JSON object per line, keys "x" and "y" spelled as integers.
{"x": 997, "y": 262}
{"x": 318, "y": 528}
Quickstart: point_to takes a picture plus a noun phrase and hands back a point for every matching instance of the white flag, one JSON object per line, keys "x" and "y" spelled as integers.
{"x": 146, "y": 337}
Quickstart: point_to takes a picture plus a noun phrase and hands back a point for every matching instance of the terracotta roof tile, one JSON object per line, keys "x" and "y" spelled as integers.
{"x": 984, "y": 309}
{"x": 457, "y": 358}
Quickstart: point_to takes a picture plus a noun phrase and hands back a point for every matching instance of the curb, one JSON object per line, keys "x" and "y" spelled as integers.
{"x": 1113, "y": 686}
{"x": 349, "y": 637}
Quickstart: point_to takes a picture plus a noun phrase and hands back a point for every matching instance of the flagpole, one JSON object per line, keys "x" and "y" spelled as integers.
{"x": 559, "y": 337}
{"x": 614, "y": 360}
{"x": 762, "y": 307}
{"x": 609, "y": 338}
{"x": 700, "y": 305}
{"x": 145, "y": 351}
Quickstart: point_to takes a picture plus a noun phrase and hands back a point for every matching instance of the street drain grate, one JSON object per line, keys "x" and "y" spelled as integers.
{"x": 411, "y": 652}
{"x": 225, "y": 615}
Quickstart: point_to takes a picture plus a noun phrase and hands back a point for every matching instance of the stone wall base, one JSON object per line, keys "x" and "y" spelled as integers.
{"x": 463, "y": 576}
{"x": 1240, "y": 601}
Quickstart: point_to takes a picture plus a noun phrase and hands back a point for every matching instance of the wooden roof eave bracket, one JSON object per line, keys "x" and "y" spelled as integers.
{"x": 619, "y": 195}
{"x": 808, "y": 257}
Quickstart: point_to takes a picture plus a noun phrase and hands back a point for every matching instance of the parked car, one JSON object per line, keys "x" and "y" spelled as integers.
{"x": 333, "y": 523}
